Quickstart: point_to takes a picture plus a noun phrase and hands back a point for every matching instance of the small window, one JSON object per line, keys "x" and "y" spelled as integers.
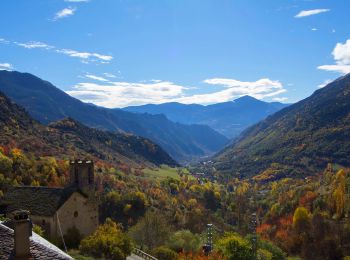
{"x": 76, "y": 214}
{"x": 43, "y": 222}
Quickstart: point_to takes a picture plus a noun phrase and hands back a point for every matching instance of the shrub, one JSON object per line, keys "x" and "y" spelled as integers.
{"x": 234, "y": 247}
{"x": 108, "y": 241}
{"x": 164, "y": 253}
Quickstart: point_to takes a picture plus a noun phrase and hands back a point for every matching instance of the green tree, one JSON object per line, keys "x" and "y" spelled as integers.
{"x": 108, "y": 241}
{"x": 164, "y": 253}
{"x": 151, "y": 231}
{"x": 5, "y": 165}
{"x": 276, "y": 252}
{"x": 186, "y": 241}
{"x": 234, "y": 247}
{"x": 301, "y": 219}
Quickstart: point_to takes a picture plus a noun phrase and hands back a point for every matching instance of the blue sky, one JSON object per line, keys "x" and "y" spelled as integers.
{"x": 116, "y": 53}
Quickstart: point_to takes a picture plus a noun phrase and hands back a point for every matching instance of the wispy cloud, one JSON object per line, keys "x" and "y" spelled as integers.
{"x": 109, "y": 75}
{"x": 34, "y": 45}
{"x": 341, "y": 55}
{"x": 6, "y": 66}
{"x": 90, "y": 76}
{"x": 121, "y": 94}
{"x": 85, "y": 55}
{"x": 306, "y": 13}
{"x": 69, "y": 11}
{"x": 4, "y": 41}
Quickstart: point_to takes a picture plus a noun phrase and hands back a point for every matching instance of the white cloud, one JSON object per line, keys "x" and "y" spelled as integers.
{"x": 260, "y": 89}
{"x": 6, "y": 66}
{"x": 341, "y": 55}
{"x": 325, "y": 83}
{"x": 280, "y": 99}
{"x": 314, "y": 29}
{"x": 90, "y": 76}
{"x": 34, "y": 45}
{"x": 306, "y": 13}
{"x": 341, "y": 52}
{"x": 109, "y": 75}
{"x": 121, "y": 94}
{"x": 343, "y": 69}
{"x": 85, "y": 55}
{"x": 102, "y": 57}
{"x": 64, "y": 13}
{"x": 4, "y": 41}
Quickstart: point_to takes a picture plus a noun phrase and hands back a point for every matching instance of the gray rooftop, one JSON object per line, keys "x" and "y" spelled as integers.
{"x": 39, "y": 247}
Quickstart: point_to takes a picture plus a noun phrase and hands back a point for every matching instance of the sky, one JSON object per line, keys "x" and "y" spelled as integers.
{"x": 116, "y": 53}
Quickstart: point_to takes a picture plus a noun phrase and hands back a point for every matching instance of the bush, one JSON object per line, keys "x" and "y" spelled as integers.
{"x": 72, "y": 238}
{"x": 186, "y": 241}
{"x": 277, "y": 253}
{"x": 263, "y": 254}
{"x": 234, "y": 247}
{"x": 164, "y": 253}
{"x": 38, "y": 230}
{"x": 108, "y": 241}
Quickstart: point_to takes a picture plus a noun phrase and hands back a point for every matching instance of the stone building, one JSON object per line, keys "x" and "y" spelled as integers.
{"x": 57, "y": 210}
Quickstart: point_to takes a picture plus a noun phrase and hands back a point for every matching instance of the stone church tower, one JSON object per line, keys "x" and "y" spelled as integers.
{"x": 82, "y": 175}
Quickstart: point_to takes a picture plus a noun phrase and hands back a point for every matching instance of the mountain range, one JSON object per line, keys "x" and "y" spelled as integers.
{"x": 296, "y": 141}
{"x": 228, "y": 118}
{"x": 70, "y": 138}
{"x": 47, "y": 104}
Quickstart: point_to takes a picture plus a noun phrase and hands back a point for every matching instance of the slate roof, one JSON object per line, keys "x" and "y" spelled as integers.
{"x": 39, "y": 247}
{"x": 42, "y": 201}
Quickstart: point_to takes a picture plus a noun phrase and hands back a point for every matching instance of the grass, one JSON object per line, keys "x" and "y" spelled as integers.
{"x": 163, "y": 172}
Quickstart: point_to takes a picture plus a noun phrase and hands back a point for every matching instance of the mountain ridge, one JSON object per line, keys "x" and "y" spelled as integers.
{"x": 228, "y": 118}
{"x": 46, "y": 103}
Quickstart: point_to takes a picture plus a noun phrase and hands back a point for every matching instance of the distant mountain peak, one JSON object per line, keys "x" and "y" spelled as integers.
{"x": 247, "y": 99}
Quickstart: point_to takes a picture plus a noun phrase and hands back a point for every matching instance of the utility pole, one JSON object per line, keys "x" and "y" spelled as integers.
{"x": 254, "y": 220}
{"x": 210, "y": 236}
{"x": 208, "y": 247}
{"x": 253, "y": 225}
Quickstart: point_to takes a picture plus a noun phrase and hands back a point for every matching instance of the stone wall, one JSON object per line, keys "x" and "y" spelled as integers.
{"x": 80, "y": 212}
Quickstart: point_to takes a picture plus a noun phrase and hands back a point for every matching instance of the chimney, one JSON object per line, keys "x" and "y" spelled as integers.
{"x": 22, "y": 230}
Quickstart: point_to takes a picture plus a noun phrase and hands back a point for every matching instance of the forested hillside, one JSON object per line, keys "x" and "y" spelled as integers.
{"x": 296, "y": 141}
{"x": 68, "y": 138}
